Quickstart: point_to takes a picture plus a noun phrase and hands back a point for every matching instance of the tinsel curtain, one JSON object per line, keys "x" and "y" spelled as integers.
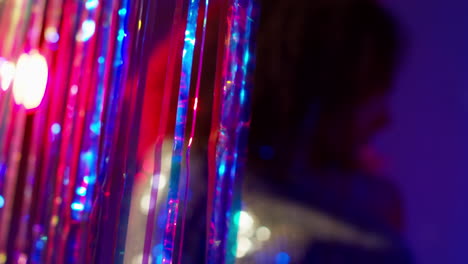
{"x": 117, "y": 119}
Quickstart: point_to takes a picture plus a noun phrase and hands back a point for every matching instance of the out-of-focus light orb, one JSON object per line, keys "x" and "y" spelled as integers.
{"x": 263, "y": 233}
{"x": 158, "y": 253}
{"x": 30, "y": 80}
{"x": 88, "y": 156}
{"x": 2, "y": 201}
{"x": 74, "y": 89}
{"x": 121, "y": 35}
{"x": 243, "y": 246}
{"x": 86, "y": 179}
{"x": 95, "y": 127}
{"x": 55, "y": 129}
{"x": 7, "y": 73}
{"x": 246, "y": 223}
{"x": 282, "y": 258}
{"x": 51, "y": 35}
{"x": 122, "y": 12}
{"x": 87, "y": 30}
{"x": 22, "y": 259}
{"x": 222, "y": 169}
{"x": 81, "y": 191}
{"x": 77, "y": 206}
{"x": 91, "y": 4}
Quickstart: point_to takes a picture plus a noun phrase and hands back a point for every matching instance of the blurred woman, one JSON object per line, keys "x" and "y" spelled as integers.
{"x": 323, "y": 78}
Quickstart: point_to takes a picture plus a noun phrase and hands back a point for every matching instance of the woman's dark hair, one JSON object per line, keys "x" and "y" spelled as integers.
{"x": 331, "y": 53}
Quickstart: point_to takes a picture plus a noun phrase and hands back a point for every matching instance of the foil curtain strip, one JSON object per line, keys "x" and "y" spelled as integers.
{"x": 52, "y": 178}
{"x": 88, "y": 186}
{"x": 6, "y": 163}
{"x": 112, "y": 171}
{"x": 13, "y": 151}
{"x": 203, "y": 10}
{"x": 173, "y": 198}
{"x": 76, "y": 132}
{"x": 138, "y": 45}
{"x": 54, "y": 27}
{"x": 175, "y": 46}
{"x": 13, "y": 25}
{"x": 71, "y": 124}
{"x": 84, "y": 138}
{"x": 231, "y": 131}
{"x": 41, "y": 19}
{"x": 18, "y": 172}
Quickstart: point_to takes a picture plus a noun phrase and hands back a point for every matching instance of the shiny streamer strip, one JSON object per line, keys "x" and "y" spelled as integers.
{"x": 173, "y": 198}
{"x": 192, "y": 129}
{"x": 17, "y": 172}
{"x": 55, "y": 122}
{"x": 231, "y": 131}
{"x": 112, "y": 174}
{"x": 14, "y": 19}
{"x": 161, "y": 134}
{"x": 51, "y": 227}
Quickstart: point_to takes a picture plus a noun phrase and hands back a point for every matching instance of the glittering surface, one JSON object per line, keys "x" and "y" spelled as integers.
{"x": 179, "y": 135}
{"x": 233, "y": 126}
{"x": 71, "y": 172}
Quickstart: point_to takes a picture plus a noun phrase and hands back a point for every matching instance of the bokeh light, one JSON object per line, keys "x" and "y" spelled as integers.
{"x": 282, "y": 258}
{"x": 55, "y": 129}
{"x": 246, "y": 223}
{"x": 30, "y": 80}
{"x": 77, "y": 206}
{"x": 263, "y": 233}
{"x": 7, "y": 73}
{"x": 92, "y": 4}
{"x": 243, "y": 247}
{"x": 51, "y": 35}
{"x": 2, "y": 201}
{"x": 87, "y": 30}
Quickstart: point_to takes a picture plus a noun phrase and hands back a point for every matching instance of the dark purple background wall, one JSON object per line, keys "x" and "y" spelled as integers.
{"x": 427, "y": 144}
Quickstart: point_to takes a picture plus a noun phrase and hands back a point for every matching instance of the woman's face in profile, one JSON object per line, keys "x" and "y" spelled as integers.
{"x": 371, "y": 117}
{"x": 372, "y": 114}
{"x": 350, "y": 131}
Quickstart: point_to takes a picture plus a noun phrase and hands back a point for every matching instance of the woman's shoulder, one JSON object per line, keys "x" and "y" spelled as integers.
{"x": 303, "y": 231}
{"x": 356, "y": 213}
